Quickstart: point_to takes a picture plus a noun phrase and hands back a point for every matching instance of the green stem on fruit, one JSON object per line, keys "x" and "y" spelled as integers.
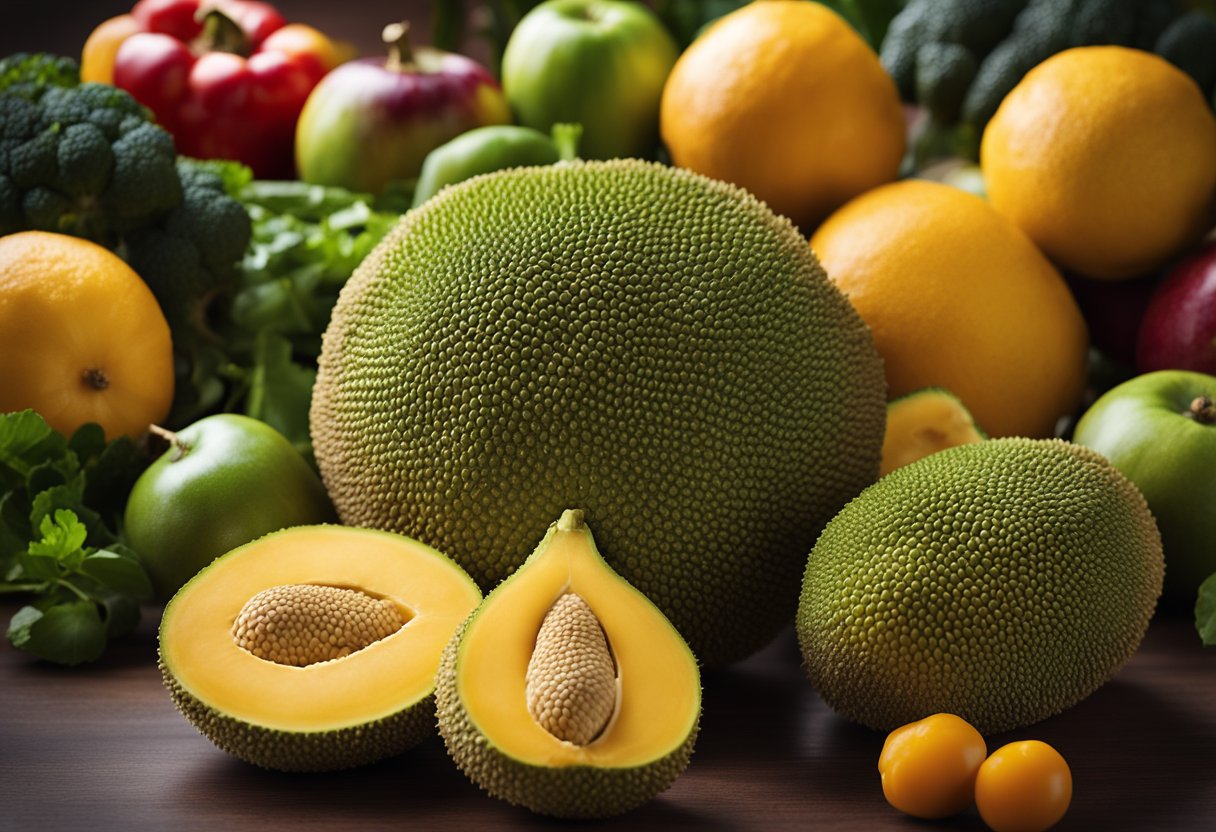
{"x": 220, "y": 32}
{"x": 180, "y": 448}
{"x": 565, "y": 139}
{"x": 1203, "y": 410}
{"x": 400, "y": 56}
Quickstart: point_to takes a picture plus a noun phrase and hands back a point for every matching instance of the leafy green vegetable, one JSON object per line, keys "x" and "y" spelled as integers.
{"x": 307, "y": 240}
{"x": 60, "y": 503}
{"x": 1205, "y": 612}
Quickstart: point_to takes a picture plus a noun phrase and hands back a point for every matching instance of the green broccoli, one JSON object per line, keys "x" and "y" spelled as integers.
{"x": 86, "y": 160}
{"x": 960, "y": 58}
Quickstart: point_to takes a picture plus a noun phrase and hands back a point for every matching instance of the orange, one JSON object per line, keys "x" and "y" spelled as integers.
{"x": 1106, "y": 157}
{"x": 82, "y": 339}
{"x": 928, "y": 767}
{"x": 957, "y": 297}
{"x": 1023, "y": 787}
{"x": 784, "y": 99}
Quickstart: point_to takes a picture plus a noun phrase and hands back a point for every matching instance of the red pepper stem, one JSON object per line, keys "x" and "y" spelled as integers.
{"x": 400, "y": 56}
{"x": 221, "y": 33}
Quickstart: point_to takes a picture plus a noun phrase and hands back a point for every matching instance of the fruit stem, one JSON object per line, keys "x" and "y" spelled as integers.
{"x": 1203, "y": 410}
{"x": 571, "y": 520}
{"x": 180, "y": 448}
{"x": 220, "y": 32}
{"x": 400, "y": 56}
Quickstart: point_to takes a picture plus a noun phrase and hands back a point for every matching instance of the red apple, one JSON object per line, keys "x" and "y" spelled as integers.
{"x": 371, "y": 122}
{"x": 1179, "y": 328}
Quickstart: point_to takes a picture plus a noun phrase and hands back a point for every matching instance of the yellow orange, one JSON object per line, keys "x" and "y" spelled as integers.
{"x": 82, "y": 339}
{"x": 1106, "y": 157}
{"x": 784, "y": 99}
{"x": 957, "y": 297}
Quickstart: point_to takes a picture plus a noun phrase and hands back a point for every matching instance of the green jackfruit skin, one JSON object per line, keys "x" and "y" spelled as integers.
{"x": 1002, "y": 581}
{"x": 645, "y": 342}
{"x": 563, "y": 792}
{"x": 305, "y": 750}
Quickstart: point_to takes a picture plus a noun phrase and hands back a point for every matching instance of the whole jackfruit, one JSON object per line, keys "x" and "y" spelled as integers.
{"x": 650, "y": 344}
{"x": 1002, "y": 581}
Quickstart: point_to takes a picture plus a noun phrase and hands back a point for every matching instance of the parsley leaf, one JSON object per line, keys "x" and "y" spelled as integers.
{"x": 1205, "y": 612}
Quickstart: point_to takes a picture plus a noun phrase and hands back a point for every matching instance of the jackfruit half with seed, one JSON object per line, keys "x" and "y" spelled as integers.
{"x": 567, "y": 691}
{"x": 314, "y": 648}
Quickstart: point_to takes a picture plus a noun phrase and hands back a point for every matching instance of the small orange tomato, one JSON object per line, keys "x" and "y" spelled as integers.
{"x": 928, "y": 767}
{"x": 1023, "y": 787}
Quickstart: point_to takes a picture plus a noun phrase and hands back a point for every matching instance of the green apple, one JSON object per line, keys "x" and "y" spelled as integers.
{"x": 1159, "y": 429}
{"x": 599, "y": 63}
{"x": 225, "y": 480}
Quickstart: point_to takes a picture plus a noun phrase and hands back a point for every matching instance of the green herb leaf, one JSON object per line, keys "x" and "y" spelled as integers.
{"x": 62, "y": 536}
{"x": 69, "y": 633}
{"x": 26, "y": 440}
{"x": 121, "y": 573}
{"x": 280, "y": 391}
{"x": 1205, "y": 612}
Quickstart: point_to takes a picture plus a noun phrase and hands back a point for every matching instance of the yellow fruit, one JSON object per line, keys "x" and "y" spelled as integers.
{"x": 1002, "y": 581}
{"x": 82, "y": 339}
{"x": 314, "y": 648}
{"x": 923, "y": 423}
{"x": 957, "y": 297}
{"x": 786, "y": 100}
{"x": 1023, "y": 787}
{"x": 620, "y": 335}
{"x": 928, "y": 767}
{"x": 1106, "y": 157}
{"x": 567, "y": 691}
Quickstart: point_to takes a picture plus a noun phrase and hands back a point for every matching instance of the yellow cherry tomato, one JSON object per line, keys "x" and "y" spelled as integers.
{"x": 928, "y": 767}
{"x": 1023, "y": 787}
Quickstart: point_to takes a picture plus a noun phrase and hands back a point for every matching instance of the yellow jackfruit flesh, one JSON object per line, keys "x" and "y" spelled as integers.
{"x": 1002, "y": 581}
{"x": 640, "y": 340}
{"x": 314, "y": 648}
{"x": 567, "y": 691}
{"x": 924, "y": 423}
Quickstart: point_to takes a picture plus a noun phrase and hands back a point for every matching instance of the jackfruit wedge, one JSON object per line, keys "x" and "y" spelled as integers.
{"x": 314, "y": 648}
{"x": 567, "y": 691}
{"x": 923, "y": 423}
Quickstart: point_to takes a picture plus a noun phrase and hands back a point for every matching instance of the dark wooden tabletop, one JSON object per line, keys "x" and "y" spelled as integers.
{"x": 101, "y": 747}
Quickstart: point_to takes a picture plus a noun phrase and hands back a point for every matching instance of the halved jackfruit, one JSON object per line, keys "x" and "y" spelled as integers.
{"x": 314, "y": 648}
{"x": 923, "y": 423}
{"x": 567, "y": 691}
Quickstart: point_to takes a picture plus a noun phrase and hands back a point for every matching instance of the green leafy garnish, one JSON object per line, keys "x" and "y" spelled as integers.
{"x": 60, "y": 503}
{"x": 1205, "y": 612}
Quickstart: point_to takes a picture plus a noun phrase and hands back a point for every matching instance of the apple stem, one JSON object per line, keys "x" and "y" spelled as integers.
{"x": 1203, "y": 410}
{"x": 179, "y": 447}
{"x": 400, "y": 56}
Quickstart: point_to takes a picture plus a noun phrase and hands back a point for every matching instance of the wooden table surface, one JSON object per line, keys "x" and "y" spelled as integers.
{"x": 101, "y": 747}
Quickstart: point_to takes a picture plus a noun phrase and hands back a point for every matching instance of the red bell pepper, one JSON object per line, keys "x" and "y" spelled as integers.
{"x": 227, "y": 78}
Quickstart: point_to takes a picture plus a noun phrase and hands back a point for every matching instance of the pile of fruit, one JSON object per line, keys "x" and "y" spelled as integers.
{"x": 702, "y": 288}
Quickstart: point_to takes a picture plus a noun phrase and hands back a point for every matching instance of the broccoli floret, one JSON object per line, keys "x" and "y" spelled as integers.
{"x": 39, "y": 70}
{"x": 960, "y": 58}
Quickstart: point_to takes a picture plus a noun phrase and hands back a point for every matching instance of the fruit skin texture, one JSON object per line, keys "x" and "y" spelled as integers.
{"x": 313, "y": 718}
{"x": 238, "y": 480}
{"x": 958, "y": 298}
{"x": 1146, "y": 429}
{"x": 1178, "y": 331}
{"x": 367, "y": 124}
{"x": 786, "y": 100}
{"x": 598, "y": 63}
{"x": 1003, "y": 581}
{"x": 1023, "y": 787}
{"x": 628, "y": 337}
{"x": 81, "y": 337}
{"x": 655, "y": 667}
{"x": 1106, "y": 157}
{"x": 928, "y": 767}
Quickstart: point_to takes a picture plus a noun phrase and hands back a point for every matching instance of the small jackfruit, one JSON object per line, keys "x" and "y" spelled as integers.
{"x": 641, "y": 340}
{"x": 314, "y": 648}
{"x": 1002, "y": 581}
{"x": 567, "y": 691}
